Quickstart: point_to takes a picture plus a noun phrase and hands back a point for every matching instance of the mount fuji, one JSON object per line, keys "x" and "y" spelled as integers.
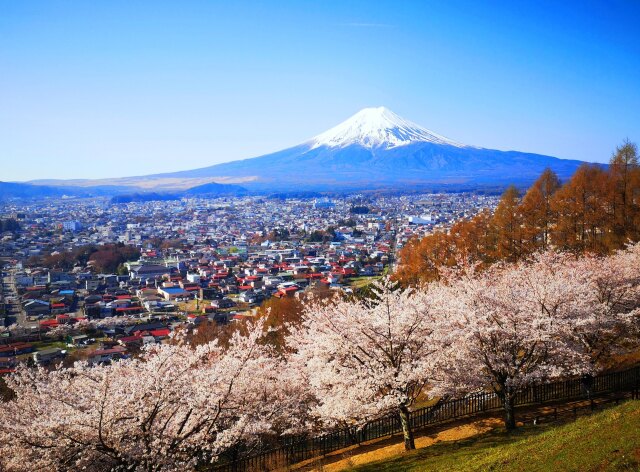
{"x": 375, "y": 148}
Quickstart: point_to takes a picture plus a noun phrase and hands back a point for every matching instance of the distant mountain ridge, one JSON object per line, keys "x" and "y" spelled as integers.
{"x": 215, "y": 189}
{"x": 373, "y": 149}
{"x": 11, "y": 190}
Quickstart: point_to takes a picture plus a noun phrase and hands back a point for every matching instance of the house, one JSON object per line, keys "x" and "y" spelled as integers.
{"x": 102, "y": 356}
{"x": 49, "y": 324}
{"x": 36, "y": 308}
{"x": 252, "y": 297}
{"x": 160, "y": 333}
{"x": 171, "y": 293}
{"x": 148, "y": 271}
{"x": 130, "y": 341}
{"x": 58, "y": 308}
{"x": 15, "y": 349}
{"x": 130, "y": 330}
{"x": 224, "y": 303}
{"x": 46, "y": 356}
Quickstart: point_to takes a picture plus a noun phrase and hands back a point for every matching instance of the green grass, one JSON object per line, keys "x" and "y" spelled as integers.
{"x": 41, "y": 345}
{"x": 362, "y": 281}
{"x": 606, "y": 441}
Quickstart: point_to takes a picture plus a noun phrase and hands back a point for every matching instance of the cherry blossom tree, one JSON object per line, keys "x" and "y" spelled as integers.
{"x": 366, "y": 359}
{"x": 174, "y": 408}
{"x": 113, "y": 321}
{"x": 512, "y": 324}
{"x": 60, "y": 331}
{"x": 605, "y": 321}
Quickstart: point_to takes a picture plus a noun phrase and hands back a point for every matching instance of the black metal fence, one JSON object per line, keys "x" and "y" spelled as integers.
{"x": 300, "y": 448}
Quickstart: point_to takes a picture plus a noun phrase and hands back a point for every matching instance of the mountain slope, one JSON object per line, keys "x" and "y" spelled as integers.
{"x": 374, "y": 148}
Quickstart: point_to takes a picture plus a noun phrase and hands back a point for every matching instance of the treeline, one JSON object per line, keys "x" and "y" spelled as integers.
{"x": 104, "y": 259}
{"x": 597, "y": 211}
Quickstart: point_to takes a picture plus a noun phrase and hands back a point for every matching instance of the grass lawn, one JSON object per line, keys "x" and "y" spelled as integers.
{"x": 41, "y": 345}
{"x": 362, "y": 281}
{"x": 608, "y": 440}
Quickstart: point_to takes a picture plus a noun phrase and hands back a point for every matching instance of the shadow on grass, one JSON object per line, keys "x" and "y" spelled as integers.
{"x": 453, "y": 451}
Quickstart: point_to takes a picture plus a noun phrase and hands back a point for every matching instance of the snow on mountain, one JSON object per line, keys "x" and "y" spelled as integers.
{"x": 378, "y": 128}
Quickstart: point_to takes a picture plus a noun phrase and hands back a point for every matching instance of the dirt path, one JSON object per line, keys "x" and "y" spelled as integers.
{"x": 353, "y": 457}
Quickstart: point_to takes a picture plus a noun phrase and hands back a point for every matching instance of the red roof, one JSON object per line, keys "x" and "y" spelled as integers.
{"x": 50, "y": 323}
{"x": 19, "y": 346}
{"x": 160, "y": 332}
{"x": 57, "y": 305}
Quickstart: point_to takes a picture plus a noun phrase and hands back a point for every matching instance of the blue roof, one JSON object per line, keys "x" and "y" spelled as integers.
{"x": 171, "y": 290}
{"x": 67, "y": 292}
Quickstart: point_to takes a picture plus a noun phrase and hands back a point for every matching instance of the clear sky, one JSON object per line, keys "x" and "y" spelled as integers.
{"x": 92, "y": 89}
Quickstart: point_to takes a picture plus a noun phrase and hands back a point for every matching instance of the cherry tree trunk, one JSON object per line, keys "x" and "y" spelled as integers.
{"x": 508, "y": 400}
{"x": 409, "y": 443}
{"x": 587, "y": 385}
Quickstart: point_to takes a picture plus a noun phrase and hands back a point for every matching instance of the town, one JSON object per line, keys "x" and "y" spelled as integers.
{"x": 102, "y": 279}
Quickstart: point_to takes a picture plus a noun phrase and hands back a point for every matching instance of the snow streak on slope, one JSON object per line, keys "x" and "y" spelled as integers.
{"x": 378, "y": 128}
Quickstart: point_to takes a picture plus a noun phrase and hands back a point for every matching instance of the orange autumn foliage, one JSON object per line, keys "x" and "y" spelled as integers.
{"x": 596, "y": 211}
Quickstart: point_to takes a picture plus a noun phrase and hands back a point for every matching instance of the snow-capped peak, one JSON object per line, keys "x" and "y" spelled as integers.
{"x": 378, "y": 127}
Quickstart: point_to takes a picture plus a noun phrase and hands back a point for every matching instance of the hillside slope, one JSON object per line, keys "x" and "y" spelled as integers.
{"x": 606, "y": 441}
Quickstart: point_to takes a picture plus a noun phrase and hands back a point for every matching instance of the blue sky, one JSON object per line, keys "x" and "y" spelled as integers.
{"x": 119, "y": 88}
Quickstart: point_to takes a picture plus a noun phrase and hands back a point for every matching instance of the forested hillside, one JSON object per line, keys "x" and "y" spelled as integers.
{"x": 596, "y": 211}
